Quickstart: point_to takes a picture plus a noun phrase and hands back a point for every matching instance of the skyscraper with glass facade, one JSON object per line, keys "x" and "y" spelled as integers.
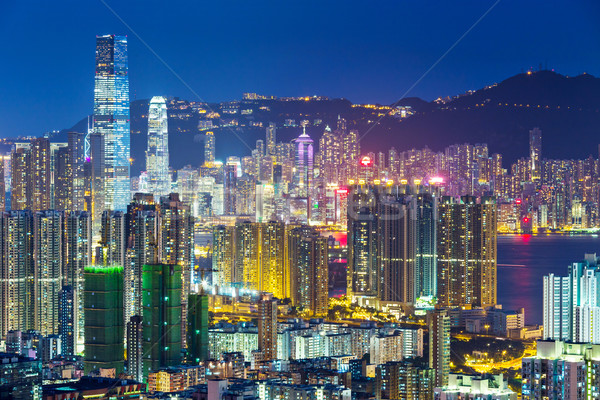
{"x": 111, "y": 119}
{"x": 157, "y": 155}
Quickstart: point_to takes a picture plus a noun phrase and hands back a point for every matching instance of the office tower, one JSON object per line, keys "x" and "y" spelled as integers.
{"x": 197, "y": 329}
{"x": 135, "y": 347}
{"x": 17, "y": 272}
{"x": 111, "y": 118}
{"x": 161, "y": 299}
{"x": 466, "y": 248}
{"x": 571, "y": 304}
{"x": 209, "y": 149}
{"x": 330, "y": 151}
{"x": 303, "y": 173}
{"x": 39, "y": 174}
{"x": 113, "y": 244}
{"x": 535, "y": 154}
{"x": 157, "y": 155}
{"x": 48, "y": 268}
{"x": 247, "y": 253}
{"x": 188, "y": 187}
{"x": 350, "y": 155}
{"x": 561, "y": 370}
{"x": 308, "y": 269}
{"x": 223, "y": 257}
{"x": 273, "y": 277}
{"x": 20, "y": 198}
{"x": 271, "y": 139}
{"x": 267, "y": 326}
{"x": 21, "y": 377}
{"x": 103, "y": 307}
{"x": 76, "y": 164}
{"x": 404, "y": 380}
{"x": 77, "y": 256}
{"x": 177, "y": 244}
{"x": 438, "y": 322}
{"x": 229, "y": 183}
{"x": 66, "y": 320}
{"x": 260, "y": 148}
{"x": 143, "y": 236}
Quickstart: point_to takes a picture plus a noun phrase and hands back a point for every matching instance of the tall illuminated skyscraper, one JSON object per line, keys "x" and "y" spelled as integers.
{"x": 157, "y": 155}
{"x": 39, "y": 174}
{"x": 223, "y": 256}
{"x": 535, "y": 153}
{"x": 111, "y": 118}
{"x": 267, "y": 326}
{"x": 271, "y": 139}
{"x": 439, "y": 345}
{"x": 209, "y": 149}
{"x": 303, "y": 172}
{"x": 273, "y": 277}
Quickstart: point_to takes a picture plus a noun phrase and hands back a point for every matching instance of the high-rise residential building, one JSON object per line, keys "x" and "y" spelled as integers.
{"x": 157, "y": 155}
{"x": 104, "y": 330}
{"x": 247, "y": 254}
{"x": 571, "y": 304}
{"x": 562, "y": 370}
{"x": 267, "y": 326}
{"x": 111, "y": 118}
{"x": 77, "y": 248}
{"x": 273, "y": 275}
{"x": 439, "y": 345}
{"x": 197, "y": 328}
{"x": 20, "y": 198}
{"x": 40, "y": 174}
{"x": 363, "y": 273}
{"x": 425, "y": 237}
{"x": 209, "y": 149}
{"x": 404, "y": 380}
{"x": 535, "y": 154}
{"x": 66, "y": 320}
{"x": 466, "y": 248}
{"x": 76, "y": 164}
{"x": 61, "y": 179}
{"x": 143, "y": 237}
{"x": 223, "y": 256}
{"x": 113, "y": 244}
{"x": 303, "y": 172}
{"x": 161, "y": 299}
{"x": 48, "y": 269}
{"x": 308, "y": 270}
{"x": 176, "y": 245}
{"x": 271, "y": 139}
{"x": 16, "y": 272}
{"x": 135, "y": 347}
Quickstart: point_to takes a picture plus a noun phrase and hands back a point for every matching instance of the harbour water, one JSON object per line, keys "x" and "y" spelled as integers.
{"x": 523, "y": 260}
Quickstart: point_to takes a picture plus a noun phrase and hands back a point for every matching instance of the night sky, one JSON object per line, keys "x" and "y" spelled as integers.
{"x": 360, "y": 50}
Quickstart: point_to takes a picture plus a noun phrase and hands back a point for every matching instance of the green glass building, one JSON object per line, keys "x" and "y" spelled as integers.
{"x": 103, "y": 308}
{"x": 161, "y": 307}
{"x": 197, "y": 332}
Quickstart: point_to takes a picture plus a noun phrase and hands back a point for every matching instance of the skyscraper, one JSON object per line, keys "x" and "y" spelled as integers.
{"x": 111, "y": 118}
{"x": 209, "y": 149}
{"x": 113, "y": 244}
{"x": 439, "y": 345}
{"x": 273, "y": 276}
{"x": 76, "y": 148}
{"x": 39, "y": 174}
{"x": 161, "y": 299}
{"x": 78, "y": 255}
{"x": 303, "y": 173}
{"x": 157, "y": 155}
{"x": 223, "y": 257}
{"x": 20, "y": 198}
{"x": 103, "y": 298}
{"x": 425, "y": 269}
{"x": 467, "y": 251}
{"x": 535, "y": 153}
{"x": 48, "y": 268}
{"x": 271, "y": 139}
{"x": 267, "y": 326}
{"x": 66, "y": 320}
{"x": 17, "y": 272}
